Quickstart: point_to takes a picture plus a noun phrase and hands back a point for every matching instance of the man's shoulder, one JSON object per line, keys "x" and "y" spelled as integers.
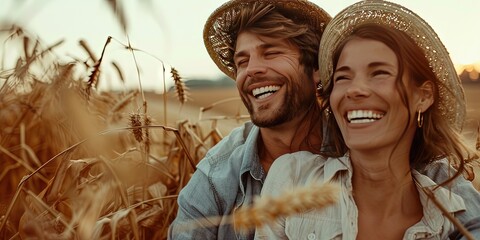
{"x": 439, "y": 170}
{"x": 236, "y": 138}
{"x": 231, "y": 147}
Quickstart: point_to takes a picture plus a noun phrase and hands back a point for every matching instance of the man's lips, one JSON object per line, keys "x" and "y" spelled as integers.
{"x": 263, "y": 92}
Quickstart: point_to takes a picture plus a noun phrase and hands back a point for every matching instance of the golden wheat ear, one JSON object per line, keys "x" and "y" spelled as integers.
{"x": 266, "y": 209}
{"x": 136, "y": 122}
{"x": 180, "y": 88}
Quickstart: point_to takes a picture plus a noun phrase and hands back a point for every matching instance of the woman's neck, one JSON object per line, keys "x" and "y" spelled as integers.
{"x": 381, "y": 192}
{"x": 385, "y": 192}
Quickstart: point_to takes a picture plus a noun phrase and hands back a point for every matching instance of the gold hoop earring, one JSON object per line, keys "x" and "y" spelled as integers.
{"x": 420, "y": 119}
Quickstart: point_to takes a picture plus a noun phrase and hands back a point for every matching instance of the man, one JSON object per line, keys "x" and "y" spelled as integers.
{"x": 270, "y": 48}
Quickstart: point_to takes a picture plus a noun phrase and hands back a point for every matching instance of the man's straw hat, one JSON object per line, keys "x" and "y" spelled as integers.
{"x": 218, "y": 37}
{"x": 451, "y": 95}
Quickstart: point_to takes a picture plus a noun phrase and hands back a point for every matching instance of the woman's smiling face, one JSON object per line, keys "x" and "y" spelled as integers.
{"x": 365, "y": 100}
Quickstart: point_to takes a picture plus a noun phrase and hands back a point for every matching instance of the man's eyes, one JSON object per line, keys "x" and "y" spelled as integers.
{"x": 241, "y": 62}
{"x": 271, "y": 53}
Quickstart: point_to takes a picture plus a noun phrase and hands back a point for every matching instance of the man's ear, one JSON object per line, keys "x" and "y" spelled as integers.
{"x": 426, "y": 95}
{"x": 316, "y": 77}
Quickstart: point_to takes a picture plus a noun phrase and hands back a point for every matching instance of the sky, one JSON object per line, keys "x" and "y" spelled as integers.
{"x": 170, "y": 31}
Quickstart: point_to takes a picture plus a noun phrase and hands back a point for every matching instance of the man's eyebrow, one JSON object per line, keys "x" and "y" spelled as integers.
{"x": 262, "y": 46}
{"x": 239, "y": 54}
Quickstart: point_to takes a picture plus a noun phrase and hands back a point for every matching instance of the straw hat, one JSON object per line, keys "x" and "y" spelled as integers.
{"x": 451, "y": 95}
{"x": 218, "y": 36}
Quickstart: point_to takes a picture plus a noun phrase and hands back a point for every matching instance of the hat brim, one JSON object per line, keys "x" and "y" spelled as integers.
{"x": 451, "y": 94}
{"x": 218, "y": 42}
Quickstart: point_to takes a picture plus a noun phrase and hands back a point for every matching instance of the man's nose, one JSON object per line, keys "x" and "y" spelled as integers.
{"x": 256, "y": 65}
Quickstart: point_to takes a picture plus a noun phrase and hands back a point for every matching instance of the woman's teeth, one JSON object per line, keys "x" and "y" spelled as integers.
{"x": 363, "y": 116}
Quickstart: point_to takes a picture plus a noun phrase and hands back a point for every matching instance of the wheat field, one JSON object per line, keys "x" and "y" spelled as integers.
{"x": 79, "y": 163}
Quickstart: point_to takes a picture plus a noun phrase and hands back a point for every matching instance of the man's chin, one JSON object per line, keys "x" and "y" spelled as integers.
{"x": 270, "y": 121}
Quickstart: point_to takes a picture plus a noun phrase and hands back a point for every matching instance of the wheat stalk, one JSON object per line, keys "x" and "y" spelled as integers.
{"x": 147, "y": 122}
{"x": 135, "y": 123}
{"x": 180, "y": 88}
{"x": 93, "y": 78}
{"x": 119, "y": 71}
{"x": 464, "y": 231}
{"x": 89, "y": 51}
{"x": 266, "y": 209}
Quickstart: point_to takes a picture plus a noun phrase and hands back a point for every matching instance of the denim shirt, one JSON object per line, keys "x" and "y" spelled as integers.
{"x": 339, "y": 221}
{"x": 228, "y": 177}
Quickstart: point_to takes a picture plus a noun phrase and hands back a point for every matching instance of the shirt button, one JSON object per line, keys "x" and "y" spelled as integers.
{"x": 311, "y": 236}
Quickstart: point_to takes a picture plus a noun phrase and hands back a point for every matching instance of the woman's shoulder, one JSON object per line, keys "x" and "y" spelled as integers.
{"x": 290, "y": 170}
{"x": 294, "y": 169}
{"x": 300, "y": 161}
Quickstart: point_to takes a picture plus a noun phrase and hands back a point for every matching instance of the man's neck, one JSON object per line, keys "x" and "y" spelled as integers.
{"x": 288, "y": 138}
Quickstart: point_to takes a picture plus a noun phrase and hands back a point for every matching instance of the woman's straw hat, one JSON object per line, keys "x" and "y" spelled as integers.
{"x": 451, "y": 95}
{"x": 218, "y": 35}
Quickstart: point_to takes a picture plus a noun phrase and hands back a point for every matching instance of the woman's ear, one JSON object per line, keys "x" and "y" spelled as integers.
{"x": 426, "y": 97}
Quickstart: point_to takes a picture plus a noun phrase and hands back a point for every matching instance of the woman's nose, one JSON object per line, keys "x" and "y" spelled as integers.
{"x": 357, "y": 89}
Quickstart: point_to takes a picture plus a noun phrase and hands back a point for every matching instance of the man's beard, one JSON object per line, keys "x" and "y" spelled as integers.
{"x": 293, "y": 106}
{"x": 277, "y": 117}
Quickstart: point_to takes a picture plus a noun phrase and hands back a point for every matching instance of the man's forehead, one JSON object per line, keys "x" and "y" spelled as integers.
{"x": 247, "y": 40}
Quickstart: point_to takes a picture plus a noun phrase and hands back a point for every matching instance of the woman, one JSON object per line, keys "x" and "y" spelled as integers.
{"x": 394, "y": 104}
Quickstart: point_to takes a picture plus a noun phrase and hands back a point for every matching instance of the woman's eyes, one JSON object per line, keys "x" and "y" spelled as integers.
{"x": 340, "y": 77}
{"x": 376, "y": 73}
{"x": 380, "y": 72}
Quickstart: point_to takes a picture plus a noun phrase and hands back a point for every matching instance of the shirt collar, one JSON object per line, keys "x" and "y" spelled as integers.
{"x": 433, "y": 216}
{"x": 251, "y": 161}
{"x": 450, "y": 201}
{"x": 335, "y": 165}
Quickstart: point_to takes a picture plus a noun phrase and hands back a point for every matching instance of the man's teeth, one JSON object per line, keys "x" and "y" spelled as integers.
{"x": 363, "y": 116}
{"x": 264, "y": 92}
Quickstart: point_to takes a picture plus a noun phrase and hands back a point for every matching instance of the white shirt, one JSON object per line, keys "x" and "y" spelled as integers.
{"x": 339, "y": 221}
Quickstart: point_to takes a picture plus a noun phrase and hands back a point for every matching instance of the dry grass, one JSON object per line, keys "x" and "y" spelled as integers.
{"x": 472, "y": 125}
{"x": 79, "y": 163}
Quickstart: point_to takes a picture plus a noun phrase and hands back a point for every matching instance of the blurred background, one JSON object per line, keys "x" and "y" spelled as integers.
{"x": 168, "y": 33}
{"x": 171, "y": 30}
{"x": 60, "y": 110}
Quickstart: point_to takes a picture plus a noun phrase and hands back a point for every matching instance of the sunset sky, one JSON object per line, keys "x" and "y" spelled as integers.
{"x": 171, "y": 30}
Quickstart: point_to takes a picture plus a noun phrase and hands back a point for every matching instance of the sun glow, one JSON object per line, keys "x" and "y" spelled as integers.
{"x": 473, "y": 70}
